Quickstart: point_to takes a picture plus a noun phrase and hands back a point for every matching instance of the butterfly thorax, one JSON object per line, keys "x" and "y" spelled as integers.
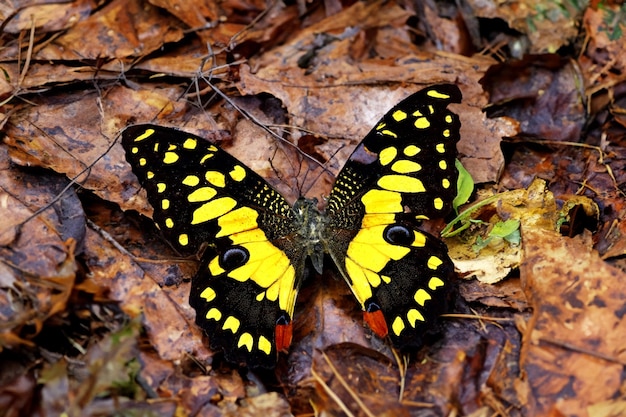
{"x": 311, "y": 226}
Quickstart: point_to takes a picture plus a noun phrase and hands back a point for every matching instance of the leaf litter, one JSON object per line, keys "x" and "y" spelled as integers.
{"x": 85, "y": 281}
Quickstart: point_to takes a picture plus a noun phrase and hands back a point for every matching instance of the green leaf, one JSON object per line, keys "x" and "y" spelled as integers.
{"x": 464, "y": 186}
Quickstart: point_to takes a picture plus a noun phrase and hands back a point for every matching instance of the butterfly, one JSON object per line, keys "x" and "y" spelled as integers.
{"x": 257, "y": 244}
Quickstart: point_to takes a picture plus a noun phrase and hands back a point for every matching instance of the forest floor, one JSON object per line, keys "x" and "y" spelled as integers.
{"x": 94, "y": 304}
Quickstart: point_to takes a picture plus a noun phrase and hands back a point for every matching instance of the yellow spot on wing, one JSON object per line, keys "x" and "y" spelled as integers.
{"x": 191, "y": 180}
{"x": 202, "y": 194}
{"x": 146, "y": 134}
{"x": 441, "y": 148}
{"x": 142, "y": 161}
{"x": 215, "y": 178}
{"x": 165, "y": 204}
{"x": 435, "y": 283}
{"x": 422, "y": 123}
{"x": 149, "y": 175}
{"x": 373, "y": 238}
{"x": 169, "y": 223}
{"x": 271, "y": 261}
{"x": 387, "y": 155}
{"x": 399, "y": 115}
{"x": 246, "y": 340}
{"x": 404, "y": 166}
{"x": 411, "y": 150}
{"x": 134, "y": 149}
{"x": 239, "y": 220}
{"x": 268, "y": 266}
{"x": 372, "y": 278}
{"x": 445, "y": 183}
{"x": 397, "y": 326}
{"x": 368, "y": 254}
{"x": 171, "y": 147}
{"x": 376, "y": 219}
{"x": 254, "y": 235}
{"x": 371, "y": 258}
{"x": 282, "y": 289}
{"x": 401, "y": 184}
{"x": 443, "y": 164}
{"x": 214, "y": 314}
{"x": 214, "y": 267}
{"x": 170, "y": 157}
{"x": 421, "y": 296}
{"x": 183, "y": 239}
{"x": 238, "y": 173}
{"x": 448, "y": 118}
{"x": 381, "y": 201}
{"x": 190, "y": 143}
{"x": 208, "y": 294}
{"x": 205, "y": 157}
{"x": 413, "y": 316}
{"x": 438, "y": 203}
{"x": 434, "y": 262}
{"x": 231, "y": 323}
{"x": 389, "y": 133}
{"x": 264, "y": 345}
{"x": 419, "y": 241}
{"x": 213, "y": 209}
{"x": 286, "y": 294}
{"x": 362, "y": 291}
{"x": 437, "y": 94}
{"x": 161, "y": 187}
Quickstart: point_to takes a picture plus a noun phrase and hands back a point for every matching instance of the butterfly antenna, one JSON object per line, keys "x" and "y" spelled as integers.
{"x": 257, "y": 122}
{"x": 213, "y": 71}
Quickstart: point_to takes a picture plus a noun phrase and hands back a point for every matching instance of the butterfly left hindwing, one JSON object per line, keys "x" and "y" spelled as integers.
{"x": 245, "y": 289}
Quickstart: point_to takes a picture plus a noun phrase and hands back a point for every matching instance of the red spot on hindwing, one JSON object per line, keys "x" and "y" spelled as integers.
{"x": 376, "y": 321}
{"x": 283, "y": 337}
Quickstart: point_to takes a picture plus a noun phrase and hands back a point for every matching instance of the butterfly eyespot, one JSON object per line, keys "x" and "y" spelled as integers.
{"x": 234, "y": 257}
{"x": 398, "y": 235}
{"x": 246, "y": 295}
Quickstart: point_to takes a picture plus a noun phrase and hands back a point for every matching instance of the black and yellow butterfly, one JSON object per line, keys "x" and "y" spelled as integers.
{"x": 245, "y": 290}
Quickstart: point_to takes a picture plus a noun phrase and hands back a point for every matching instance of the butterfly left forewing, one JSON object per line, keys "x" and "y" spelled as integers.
{"x": 401, "y": 173}
{"x": 245, "y": 289}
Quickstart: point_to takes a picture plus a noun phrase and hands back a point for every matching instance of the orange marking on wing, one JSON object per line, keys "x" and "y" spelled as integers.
{"x": 283, "y": 337}
{"x": 376, "y": 321}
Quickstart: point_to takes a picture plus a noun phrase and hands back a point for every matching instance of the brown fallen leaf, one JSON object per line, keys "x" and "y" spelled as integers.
{"x": 573, "y": 354}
